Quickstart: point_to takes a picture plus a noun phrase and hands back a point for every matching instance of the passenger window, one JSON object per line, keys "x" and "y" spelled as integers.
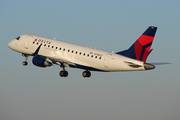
{"x": 80, "y": 53}
{"x": 72, "y": 51}
{"x": 63, "y": 49}
{"x": 52, "y": 46}
{"x": 76, "y": 52}
{"x": 96, "y": 57}
{"x": 59, "y": 48}
{"x": 56, "y": 47}
{"x": 33, "y": 42}
{"x": 91, "y": 55}
{"x": 48, "y": 45}
{"x": 88, "y": 55}
{"x": 68, "y": 50}
{"x": 99, "y": 57}
{"x": 84, "y": 54}
{"x": 44, "y": 44}
{"x": 37, "y": 43}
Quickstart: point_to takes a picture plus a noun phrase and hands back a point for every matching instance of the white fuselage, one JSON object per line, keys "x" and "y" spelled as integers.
{"x": 80, "y": 56}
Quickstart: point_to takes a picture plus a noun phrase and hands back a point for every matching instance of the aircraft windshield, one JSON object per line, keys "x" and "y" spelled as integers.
{"x": 18, "y": 38}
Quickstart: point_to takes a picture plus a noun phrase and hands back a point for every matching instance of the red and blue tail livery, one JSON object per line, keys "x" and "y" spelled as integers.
{"x": 142, "y": 46}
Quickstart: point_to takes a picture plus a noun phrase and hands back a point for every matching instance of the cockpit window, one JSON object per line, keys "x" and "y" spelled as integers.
{"x": 18, "y": 38}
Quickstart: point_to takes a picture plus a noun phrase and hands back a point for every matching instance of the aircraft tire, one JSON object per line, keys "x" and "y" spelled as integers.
{"x": 25, "y": 63}
{"x": 63, "y": 73}
{"x": 86, "y": 74}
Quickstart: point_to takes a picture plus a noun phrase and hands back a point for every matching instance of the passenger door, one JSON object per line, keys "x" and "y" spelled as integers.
{"x": 26, "y": 44}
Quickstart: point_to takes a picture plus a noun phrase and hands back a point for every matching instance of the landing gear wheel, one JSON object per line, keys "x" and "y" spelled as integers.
{"x": 26, "y": 57}
{"x": 25, "y": 63}
{"x": 86, "y": 74}
{"x": 63, "y": 73}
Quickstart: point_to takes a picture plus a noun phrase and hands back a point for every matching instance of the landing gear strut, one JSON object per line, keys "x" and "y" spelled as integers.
{"x": 25, "y": 63}
{"x": 86, "y": 74}
{"x": 63, "y": 73}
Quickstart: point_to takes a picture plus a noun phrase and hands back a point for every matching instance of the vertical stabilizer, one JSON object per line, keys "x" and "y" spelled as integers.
{"x": 142, "y": 47}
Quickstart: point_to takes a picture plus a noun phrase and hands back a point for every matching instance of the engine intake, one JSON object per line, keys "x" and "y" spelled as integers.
{"x": 40, "y": 62}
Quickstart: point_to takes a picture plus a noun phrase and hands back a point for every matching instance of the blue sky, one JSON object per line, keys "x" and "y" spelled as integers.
{"x": 30, "y": 92}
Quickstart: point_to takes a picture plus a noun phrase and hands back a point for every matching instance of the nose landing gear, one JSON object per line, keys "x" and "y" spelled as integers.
{"x": 63, "y": 73}
{"x": 25, "y": 63}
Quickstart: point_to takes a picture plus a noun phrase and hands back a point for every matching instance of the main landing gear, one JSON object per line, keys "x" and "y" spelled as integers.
{"x": 86, "y": 74}
{"x": 25, "y": 63}
{"x": 63, "y": 73}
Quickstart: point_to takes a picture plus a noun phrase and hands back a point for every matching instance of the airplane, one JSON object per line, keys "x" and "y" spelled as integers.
{"x": 46, "y": 52}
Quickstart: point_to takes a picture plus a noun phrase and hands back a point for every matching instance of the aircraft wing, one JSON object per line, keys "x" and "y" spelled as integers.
{"x": 54, "y": 59}
{"x": 59, "y": 61}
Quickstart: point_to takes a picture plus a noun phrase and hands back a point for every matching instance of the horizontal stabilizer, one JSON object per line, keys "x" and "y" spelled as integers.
{"x": 160, "y": 63}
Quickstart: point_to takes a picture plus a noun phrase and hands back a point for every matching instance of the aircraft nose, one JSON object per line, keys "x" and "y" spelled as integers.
{"x": 9, "y": 44}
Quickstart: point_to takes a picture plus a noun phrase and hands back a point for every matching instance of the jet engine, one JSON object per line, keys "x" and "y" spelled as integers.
{"x": 40, "y": 62}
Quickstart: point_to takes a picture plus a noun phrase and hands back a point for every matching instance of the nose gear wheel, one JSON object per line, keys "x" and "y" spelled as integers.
{"x": 25, "y": 63}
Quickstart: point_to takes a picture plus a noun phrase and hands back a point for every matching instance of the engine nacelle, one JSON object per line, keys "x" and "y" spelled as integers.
{"x": 40, "y": 62}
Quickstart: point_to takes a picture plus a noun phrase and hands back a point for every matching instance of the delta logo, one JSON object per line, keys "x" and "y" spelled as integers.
{"x": 35, "y": 40}
{"x": 42, "y": 41}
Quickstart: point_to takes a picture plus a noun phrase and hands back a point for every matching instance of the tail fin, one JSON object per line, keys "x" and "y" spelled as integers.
{"x": 142, "y": 47}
